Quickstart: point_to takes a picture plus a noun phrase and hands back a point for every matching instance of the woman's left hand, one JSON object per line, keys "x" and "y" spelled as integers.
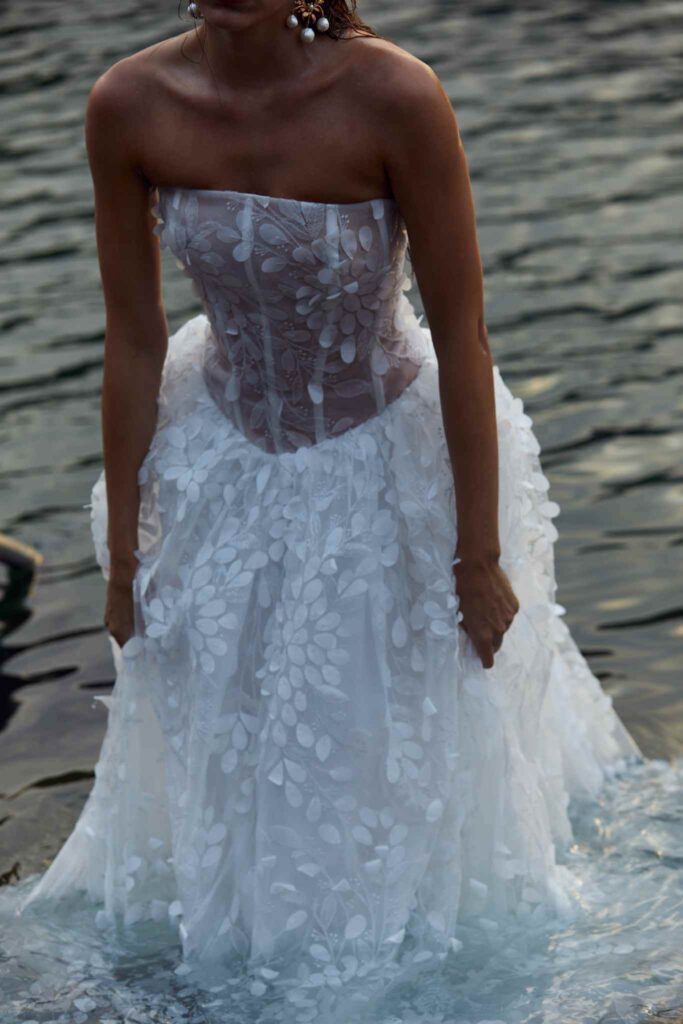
{"x": 487, "y": 602}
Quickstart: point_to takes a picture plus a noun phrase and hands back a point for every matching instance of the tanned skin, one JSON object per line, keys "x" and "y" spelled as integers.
{"x": 238, "y": 102}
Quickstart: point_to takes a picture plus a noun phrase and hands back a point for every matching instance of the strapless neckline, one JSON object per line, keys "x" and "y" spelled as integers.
{"x": 272, "y": 199}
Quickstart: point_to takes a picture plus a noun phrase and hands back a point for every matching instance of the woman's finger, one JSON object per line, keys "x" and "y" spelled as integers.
{"x": 484, "y": 649}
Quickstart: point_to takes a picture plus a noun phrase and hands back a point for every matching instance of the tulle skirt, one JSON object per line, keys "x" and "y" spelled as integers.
{"x": 312, "y": 803}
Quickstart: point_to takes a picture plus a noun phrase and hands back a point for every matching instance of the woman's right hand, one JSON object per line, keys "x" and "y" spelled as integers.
{"x": 119, "y": 617}
{"x": 487, "y": 602}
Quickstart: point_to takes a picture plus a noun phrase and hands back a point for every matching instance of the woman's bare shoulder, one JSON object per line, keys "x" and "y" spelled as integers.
{"x": 124, "y": 102}
{"x": 391, "y": 77}
{"x": 136, "y": 80}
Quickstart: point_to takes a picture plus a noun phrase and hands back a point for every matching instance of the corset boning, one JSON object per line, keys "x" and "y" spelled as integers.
{"x": 309, "y": 330}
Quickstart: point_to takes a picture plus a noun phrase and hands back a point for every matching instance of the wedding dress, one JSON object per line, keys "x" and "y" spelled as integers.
{"x": 310, "y": 794}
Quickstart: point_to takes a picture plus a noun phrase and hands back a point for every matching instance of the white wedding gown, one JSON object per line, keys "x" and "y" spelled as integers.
{"x": 311, "y": 797}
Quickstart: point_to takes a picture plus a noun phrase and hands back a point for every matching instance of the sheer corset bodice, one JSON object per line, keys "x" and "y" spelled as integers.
{"x": 310, "y": 330}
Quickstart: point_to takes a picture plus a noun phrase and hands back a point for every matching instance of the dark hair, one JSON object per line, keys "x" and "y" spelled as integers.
{"x": 342, "y": 16}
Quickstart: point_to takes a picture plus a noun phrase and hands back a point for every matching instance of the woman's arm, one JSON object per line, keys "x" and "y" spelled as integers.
{"x": 136, "y": 328}
{"x": 428, "y": 170}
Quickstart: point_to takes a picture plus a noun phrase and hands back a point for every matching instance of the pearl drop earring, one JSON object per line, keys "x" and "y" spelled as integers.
{"x": 193, "y": 9}
{"x": 309, "y": 11}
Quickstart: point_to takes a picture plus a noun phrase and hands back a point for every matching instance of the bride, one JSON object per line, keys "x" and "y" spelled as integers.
{"x": 348, "y": 719}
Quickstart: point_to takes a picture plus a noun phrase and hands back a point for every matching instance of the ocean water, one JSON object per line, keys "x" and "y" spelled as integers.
{"x": 570, "y": 114}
